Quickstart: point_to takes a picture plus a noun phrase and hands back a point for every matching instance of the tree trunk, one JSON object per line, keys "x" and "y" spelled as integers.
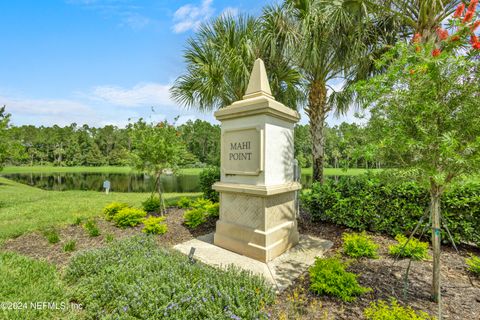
{"x": 435, "y": 194}
{"x": 317, "y": 112}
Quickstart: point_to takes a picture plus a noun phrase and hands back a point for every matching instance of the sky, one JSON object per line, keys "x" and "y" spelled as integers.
{"x": 101, "y": 62}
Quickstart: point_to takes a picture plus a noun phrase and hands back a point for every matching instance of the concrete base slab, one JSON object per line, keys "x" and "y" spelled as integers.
{"x": 280, "y": 272}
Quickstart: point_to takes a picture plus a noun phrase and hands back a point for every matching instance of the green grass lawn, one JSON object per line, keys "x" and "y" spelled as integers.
{"x": 341, "y": 172}
{"x": 24, "y": 208}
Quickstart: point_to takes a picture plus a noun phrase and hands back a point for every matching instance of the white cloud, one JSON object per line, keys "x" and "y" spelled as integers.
{"x": 230, "y": 11}
{"x": 189, "y": 16}
{"x": 141, "y": 95}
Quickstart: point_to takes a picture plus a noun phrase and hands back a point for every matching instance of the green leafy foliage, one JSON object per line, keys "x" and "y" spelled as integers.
{"x": 393, "y": 205}
{"x": 473, "y": 264}
{"x": 52, "y": 236}
{"x": 329, "y": 277}
{"x": 154, "y": 225}
{"x": 183, "y": 203}
{"x": 358, "y": 245}
{"x": 127, "y": 278}
{"x": 78, "y": 221}
{"x": 92, "y": 228}
{"x": 381, "y": 310}
{"x": 213, "y": 210}
{"x": 69, "y": 246}
{"x": 112, "y": 209}
{"x": 414, "y": 249}
{"x": 208, "y": 177}
{"x": 152, "y": 204}
{"x": 109, "y": 237}
{"x": 129, "y": 217}
{"x": 194, "y": 217}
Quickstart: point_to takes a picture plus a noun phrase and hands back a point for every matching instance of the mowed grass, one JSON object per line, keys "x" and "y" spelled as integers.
{"x": 24, "y": 208}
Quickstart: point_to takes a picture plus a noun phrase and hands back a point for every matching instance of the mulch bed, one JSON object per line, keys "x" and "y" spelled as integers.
{"x": 461, "y": 300}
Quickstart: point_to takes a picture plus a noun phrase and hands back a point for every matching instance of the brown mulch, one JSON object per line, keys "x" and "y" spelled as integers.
{"x": 35, "y": 244}
{"x": 461, "y": 299}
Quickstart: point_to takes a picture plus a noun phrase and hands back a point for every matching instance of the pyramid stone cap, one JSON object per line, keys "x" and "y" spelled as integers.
{"x": 258, "y": 84}
{"x": 257, "y": 100}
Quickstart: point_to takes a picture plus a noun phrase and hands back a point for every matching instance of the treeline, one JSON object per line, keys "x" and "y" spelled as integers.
{"x": 347, "y": 145}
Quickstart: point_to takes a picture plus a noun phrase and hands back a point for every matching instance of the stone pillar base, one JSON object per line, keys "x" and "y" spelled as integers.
{"x": 258, "y": 222}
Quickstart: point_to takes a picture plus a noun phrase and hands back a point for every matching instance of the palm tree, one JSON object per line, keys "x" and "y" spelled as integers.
{"x": 219, "y": 60}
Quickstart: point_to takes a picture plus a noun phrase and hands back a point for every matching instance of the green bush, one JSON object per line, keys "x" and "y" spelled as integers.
{"x": 213, "y": 210}
{"x": 194, "y": 217}
{"x": 329, "y": 277}
{"x": 382, "y": 311}
{"x": 112, "y": 209}
{"x": 357, "y": 245}
{"x": 184, "y": 203}
{"x": 393, "y": 205}
{"x": 415, "y": 249}
{"x": 154, "y": 225}
{"x": 134, "y": 278}
{"x": 129, "y": 217}
{"x": 91, "y": 227}
{"x": 200, "y": 203}
{"x": 208, "y": 177}
{"x": 152, "y": 204}
{"x": 51, "y": 235}
{"x": 69, "y": 246}
{"x": 78, "y": 221}
{"x": 473, "y": 264}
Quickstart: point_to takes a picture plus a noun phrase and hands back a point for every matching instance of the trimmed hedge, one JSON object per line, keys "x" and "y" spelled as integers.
{"x": 372, "y": 202}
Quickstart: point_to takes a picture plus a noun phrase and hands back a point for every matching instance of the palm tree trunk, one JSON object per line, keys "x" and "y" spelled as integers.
{"x": 317, "y": 112}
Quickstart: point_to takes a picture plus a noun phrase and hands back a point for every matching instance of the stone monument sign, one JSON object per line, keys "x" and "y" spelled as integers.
{"x": 257, "y": 187}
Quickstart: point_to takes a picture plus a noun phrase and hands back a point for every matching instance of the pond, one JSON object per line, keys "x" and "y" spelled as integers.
{"x": 120, "y": 182}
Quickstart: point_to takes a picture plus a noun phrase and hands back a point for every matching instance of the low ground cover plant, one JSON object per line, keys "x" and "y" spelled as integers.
{"x": 112, "y": 209}
{"x": 69, "y": 246}
{"x": 194, "y": 217}
{"x": 329, "y": 277}
{"x": 129, "y": 217}
{"x": 382, "y": 310}
{"x": 91, "y": 227}
{"x": 414, "y": 249}
{"x": 201, "y": 210}
{"x": 358, "y": 245}
{"x": 152, "y": 204}
{"x": 473, "y": 264}
{"x": 134, "y": 278}
{"x": 154, "y": 225}
{"x": 51, "y": 235}
{"x": 184, "y": 203}
{"x": 78, "y": 221}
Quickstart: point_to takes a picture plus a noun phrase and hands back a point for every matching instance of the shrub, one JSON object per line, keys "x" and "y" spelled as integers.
{"x": 183, "y": 202}
{"x": 200, "y": 203}
{"x": 328, "y": 276}
{"x": 382, "y": 311}
{"x": 393, "y": 204}
{"x": 473, "y": 264}
{"x": 208, "y": 177}
{"x": 152, "y": 204}
{"x": 357, "y": 245}
{"x": 69, "y": 246}
{"x": 194, "y": 217}
{"x": 112, "y": 209}
{"x": 136, "y": 279}
{"x": 51, "y": 235}
{"x": 213, "y": 210}
{"x": 129, "y": 217}
{"x": 154, "y": 225}
{"x": 415, "y": 249}
{"x": 91, "y": 227}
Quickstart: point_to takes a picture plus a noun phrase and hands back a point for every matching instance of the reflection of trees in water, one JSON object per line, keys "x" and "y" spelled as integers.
{"x": 119, "y": 182}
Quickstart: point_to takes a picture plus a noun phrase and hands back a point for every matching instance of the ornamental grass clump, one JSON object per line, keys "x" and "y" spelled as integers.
{"x": 154, "y": 225}
{"x": 358, "y": 245}
{"x": 91, "y": 227}
{"x": 51, "y": 235}
{"x": 70, "y": 246}
{"x": 129, "y": 217}
{"x": 414, "y": 249}
{"x": 473, "y": 264}
{"x": 134, "y": 278}
{"x": 329, "y": 277}
{"x": 112, "y": 209}
{"x": 383, "y": 311}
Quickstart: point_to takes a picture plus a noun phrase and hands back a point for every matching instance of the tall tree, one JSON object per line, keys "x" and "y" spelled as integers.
{"x": 426, "y": 106}
{"x": 4, "y": 120}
